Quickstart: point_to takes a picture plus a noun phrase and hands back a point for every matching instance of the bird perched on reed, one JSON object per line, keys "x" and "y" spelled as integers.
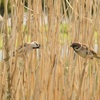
{"x": 24, "y": 49}
{"x": 84, "y": 51}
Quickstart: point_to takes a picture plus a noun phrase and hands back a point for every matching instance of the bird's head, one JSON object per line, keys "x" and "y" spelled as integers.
{"x": 35, "y": 45}
{"x": 75, "y": 46}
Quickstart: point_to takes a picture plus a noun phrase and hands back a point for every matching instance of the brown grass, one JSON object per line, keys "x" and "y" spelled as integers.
{"x": 53, "y": 72}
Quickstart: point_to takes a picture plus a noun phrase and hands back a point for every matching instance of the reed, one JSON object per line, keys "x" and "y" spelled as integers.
{"x": 54, "y": 72}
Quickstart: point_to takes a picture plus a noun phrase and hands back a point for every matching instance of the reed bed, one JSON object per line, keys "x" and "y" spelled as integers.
{"x": 54, "y": 72}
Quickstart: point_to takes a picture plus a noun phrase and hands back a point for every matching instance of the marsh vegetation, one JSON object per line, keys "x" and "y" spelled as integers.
{"x": 54, "y": 72}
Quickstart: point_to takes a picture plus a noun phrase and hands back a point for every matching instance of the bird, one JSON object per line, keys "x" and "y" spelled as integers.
{"x": 84, "y": 51}
{"x": 24, "y": 49}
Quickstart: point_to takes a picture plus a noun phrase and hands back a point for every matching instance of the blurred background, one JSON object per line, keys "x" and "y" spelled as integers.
{"x": 54, "y": 72}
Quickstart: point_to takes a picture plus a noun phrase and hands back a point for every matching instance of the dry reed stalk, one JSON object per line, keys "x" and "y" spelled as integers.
{"x": 96, "y": 20}
{"x": 50, "y": 74}
{"x": 34, "y": 32}
{"x": 6, "y": 53}
{"x": 12, "y": 40}
{"x": 81, "y": 81}
{"x": 1, "y": 24}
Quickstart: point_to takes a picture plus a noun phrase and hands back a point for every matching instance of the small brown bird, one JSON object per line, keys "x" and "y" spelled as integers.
{"x": 84, "y": 51}
{"x": 24, "y": 49}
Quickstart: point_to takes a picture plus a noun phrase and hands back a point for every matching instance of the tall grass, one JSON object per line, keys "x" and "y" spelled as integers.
{"x": 53, "y": 72}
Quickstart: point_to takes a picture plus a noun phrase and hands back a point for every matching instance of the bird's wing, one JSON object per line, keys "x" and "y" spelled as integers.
{"x": 21, "y": 48}
{"x": 94, "y": 53}
{"x": 84, "y": 47}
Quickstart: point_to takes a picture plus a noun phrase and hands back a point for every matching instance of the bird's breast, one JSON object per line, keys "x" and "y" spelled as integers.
{"x": 85, "y": 54}
{"x": 82, "y": 53}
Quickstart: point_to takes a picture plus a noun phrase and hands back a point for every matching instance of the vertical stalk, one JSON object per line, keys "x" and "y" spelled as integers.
{"x": 6, "y": 53}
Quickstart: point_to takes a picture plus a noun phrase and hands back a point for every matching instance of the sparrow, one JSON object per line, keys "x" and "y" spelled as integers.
{"x": 84, "y": 51}
{"x": 24, "y": 49}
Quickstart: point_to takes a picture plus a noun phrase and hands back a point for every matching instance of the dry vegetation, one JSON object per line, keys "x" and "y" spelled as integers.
{"x": 54, "y": 72}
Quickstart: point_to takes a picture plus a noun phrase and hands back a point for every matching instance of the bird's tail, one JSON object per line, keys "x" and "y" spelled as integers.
{"x": 97, "y": 56}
